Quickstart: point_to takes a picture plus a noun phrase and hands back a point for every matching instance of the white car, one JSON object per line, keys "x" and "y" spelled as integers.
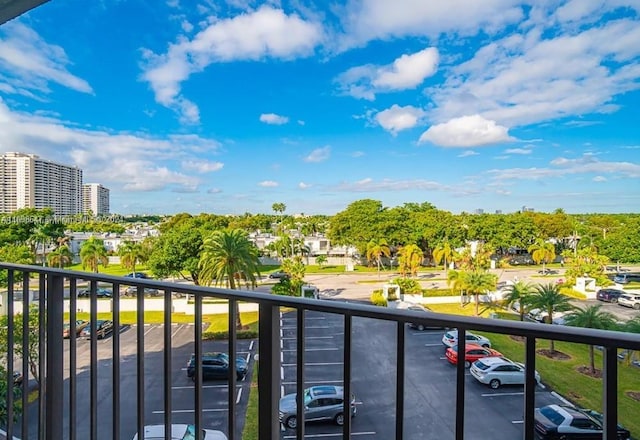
{"x": 450, "y": 339}
{"x": 180, "y": 432}
{"x": 630, "y": 300}
{"x": 496, "y": 371}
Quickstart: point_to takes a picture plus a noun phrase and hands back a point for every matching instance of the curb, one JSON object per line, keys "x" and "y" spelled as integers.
{"x": 562, "y": 399}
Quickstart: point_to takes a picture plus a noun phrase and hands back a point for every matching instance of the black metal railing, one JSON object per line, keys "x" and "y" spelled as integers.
{"x": 50, "y": 419}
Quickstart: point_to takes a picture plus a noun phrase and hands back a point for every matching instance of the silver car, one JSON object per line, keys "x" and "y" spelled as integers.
{"x": 324, "y": 402}
{"x": 497, "y": 371}
{"x": 450, "y": 339}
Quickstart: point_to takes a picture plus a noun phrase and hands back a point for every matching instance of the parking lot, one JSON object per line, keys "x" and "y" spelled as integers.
{"x": 429, "y": 383}
{"x": 215, "y": 393}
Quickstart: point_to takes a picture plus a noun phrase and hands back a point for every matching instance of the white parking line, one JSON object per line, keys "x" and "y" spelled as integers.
{"x": 517, "y": 422}
{"x": 289, "y": 327}
{"x": 176, "y": 331}
{"x": 434, "y": 345}
{"x": 332, "y": 435}
{"x": 184, "y": 411}
{"x": 239, "y": 396}
{"x": 315, "y": 349}
{"x": 314, "y": 381}
{"x": 310, "y": 337}
{"x": 501, "y": 394}
{"x": 147, "y": 332}
{"x": 317, "y": 364}
{"x": 251, "y": 345}
{"x": 306, "y": 319}
{"x": 188, "y": 387}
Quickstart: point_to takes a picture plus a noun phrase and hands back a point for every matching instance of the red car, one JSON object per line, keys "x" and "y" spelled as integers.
{"x": 473, "y": 353}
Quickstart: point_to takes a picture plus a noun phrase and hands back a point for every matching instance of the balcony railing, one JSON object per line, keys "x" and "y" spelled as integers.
{"x": 54, "y": 416}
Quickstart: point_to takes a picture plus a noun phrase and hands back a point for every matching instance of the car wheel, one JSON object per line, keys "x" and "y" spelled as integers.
{"x": 636, "y": 306}
{"x": 467, "y": 364}
{"x": 292, "y": 422}
{"x": 614, "y": 300}
{"x": 486, "y": 346}
{"x": 420, "y": 327}
{"x": 339, "y": 419}
{"x": 494, "y": 384}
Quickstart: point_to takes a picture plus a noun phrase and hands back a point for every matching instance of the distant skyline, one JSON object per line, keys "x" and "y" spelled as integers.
{"x": 230, "y": 106}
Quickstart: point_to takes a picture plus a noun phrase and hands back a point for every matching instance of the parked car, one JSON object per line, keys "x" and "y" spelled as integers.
{"x": 17, "y": 378}
{"x": 278, "y": 275}
{"x": 137, "y": 275}
{"x": 626, "y": 278}
{"x": 541, "y": 316}
{"x": 103, "y": 328}
{"x": 133, "y": 291}
{"x": 498, "y": 371}
{"x": 180, "y": 432}
{"x": 566, "y": 422}
{"x": 609, "y": 295}
{"x": 324, "y": 402}
{"x": 216, "y": 366}
{"x": 473, "y": 352}
{"x": 101, "y": 292}
{"x": 630, "y": 300}
{"x": 80, "y": 325}
{"x": 422, "y": 310}
{"x": 450, "y": 339}
{"x": 521, "y": 260}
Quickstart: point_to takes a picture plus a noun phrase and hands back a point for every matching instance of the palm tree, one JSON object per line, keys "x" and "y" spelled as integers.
{"x": 519, "y": 293}
{"x": 542, "y": 251}
{"x": 455, "y": 280}
{"x": 410, "y": 259}
{"x": 321, "y": 259}
{"x": 548, "y": 298}
{"x": 591, "y": 317}
{"x": 130, "y": 254}
{"x": 376, "y": 249}
{"x": 279, "y": 208}
{"x": 93, "y": 253}
{"x": 477, "y": 282}
{"x": 228, "y": 254}
{"x": 60, "y": 258}
{"x": 443, "y": 253}
{"x": 40, "y": 237}
{"x": 632, "y": 326}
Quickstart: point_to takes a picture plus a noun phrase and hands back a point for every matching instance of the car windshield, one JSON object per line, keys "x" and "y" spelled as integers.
{"x": 307, "y": 397}
{"x": 190, "y": 433}
{"x": 481, "y": 365}
{"x": 553, "y": 415}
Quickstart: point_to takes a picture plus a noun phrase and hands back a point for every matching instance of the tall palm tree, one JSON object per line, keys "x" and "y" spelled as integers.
{"x": 130, "y": 254}
{"x": 443, "y": 253}
{"x": 591, "y": 317}
{"x": 93, "y": 254}
{"x": 376, "y": 249}
{"x": 542, "y": 251}
{"x": 477, "y": 282}
{"x": 410, "y": 259}
{"x": 519, "y": 293}
{"x": 61, "y": 257}
{"x": 548, "y": 298}
{"x": 227, "y": 254}
{"x": 40, "y": 237}
{"x": 455, "y": 280}
{"x": 632, "y": 326}
{"x": 279, "y": 208}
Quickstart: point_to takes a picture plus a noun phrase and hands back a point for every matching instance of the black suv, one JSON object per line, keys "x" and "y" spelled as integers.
{"x": 216, "y": 366}
{"x": 609, "y": 295}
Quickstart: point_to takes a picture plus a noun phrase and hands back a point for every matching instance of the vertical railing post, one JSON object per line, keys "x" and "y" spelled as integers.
{"x": 54, "y": 380}
{"x": 610, "y": 394}
{"x": 268, "y": 372}
{"x": 530, "y": 385}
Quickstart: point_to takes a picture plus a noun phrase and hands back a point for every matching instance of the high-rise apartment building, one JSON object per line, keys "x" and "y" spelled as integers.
{"x": 95, "y": 199}
{"x": 27, "y": 181}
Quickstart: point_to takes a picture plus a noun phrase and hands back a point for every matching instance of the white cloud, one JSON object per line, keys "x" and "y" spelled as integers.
{"x": 303, "y": 185}
{"x": 257, "y": 35}
{"x": 319, "y": 155}
{"x": 406, "y": 72}
{"x": 202, "y": 166}
{"x": 599, "y": 179}
{"x": 214, "y": 191}
{"x": 522, "y": 151}
{"x": 121, "y": 161}
{"x": 468, "y": 153}
{"x": 396, "y": 118}
{"x": 370, "y": 185}
{"x": 273, "y": 119}
{"x": 29, "y": 64}
{"x": 357, "y": 154}
{"x": 467, "y": 131}
{"x": 268, "y": 184}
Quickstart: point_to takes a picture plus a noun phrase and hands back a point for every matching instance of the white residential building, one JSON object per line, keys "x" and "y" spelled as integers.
{"x": 95, "y": 199}
{"x": 27, "y": 181}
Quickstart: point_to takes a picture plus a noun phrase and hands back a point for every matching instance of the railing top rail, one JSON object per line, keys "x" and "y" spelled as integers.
{"x": 557, "y": 332}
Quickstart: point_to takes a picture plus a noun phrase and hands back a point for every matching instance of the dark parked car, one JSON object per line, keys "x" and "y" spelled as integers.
{"x": 103, "y": 328}
{"x": 137, "y": 275}
{"x": 324, "y": 402}
{"x": 148, "y": 291}
{"x": 100, "y": 292}
{"x": 278, "y": 275}
{"x": 609, "y": 295}
{"x": 80, "y": 325}
{"x": 216, "y": 366}
{"x": 17, "y": 378}
{"x": 626, "y": 278}
{"x": 554, "y": 422}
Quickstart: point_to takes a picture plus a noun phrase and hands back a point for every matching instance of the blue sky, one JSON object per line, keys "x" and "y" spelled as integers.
{"x": 231, "y": 106}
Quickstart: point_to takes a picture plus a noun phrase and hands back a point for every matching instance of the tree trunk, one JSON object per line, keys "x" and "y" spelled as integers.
{"x": 477, "y": 297}
{"x": 592, "y": 362}
{"x": 232, "y": 286}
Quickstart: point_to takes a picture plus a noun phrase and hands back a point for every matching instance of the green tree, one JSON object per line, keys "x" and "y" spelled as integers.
{"x": 591, "y": 317}
{"x": 291, "y": 285}
{"x": 357, "y": 224}
{"x": 631, "y": 326}
{"x": 17, "y": 400}
{"x": 376, "y": 249}
{"x": 20, "y": 254}
{"x": 61, "y": 257}
{"x": 519, "y": 293}
{"x": 478, "y": 282}
{"x": 93, "y": 254}
{"x": 31, "y": 351}
{"x": 279, "y": 208}
{"x": 130, "y": 254}
{"x": 548, "y": 298}
{"x": 542, "y": 251}
{"x": 443, "y": 254}
{"x": 321, "y": 260}
{"x": 228, "y": 256}
{"x": 176, "y": 252}
{"x": 409, "y": 259}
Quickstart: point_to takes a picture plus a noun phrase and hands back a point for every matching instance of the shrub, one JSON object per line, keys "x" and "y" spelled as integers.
{"x": 439, "y": 292}
{"x": 378, "y": 299}
{"x": 408, "y": 286}
{"x": 224, "y": 335}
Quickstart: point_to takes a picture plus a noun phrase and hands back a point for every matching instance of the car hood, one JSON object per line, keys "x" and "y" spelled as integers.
{"x": 288, "y": 403}
{"x": 241, "y": 363}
